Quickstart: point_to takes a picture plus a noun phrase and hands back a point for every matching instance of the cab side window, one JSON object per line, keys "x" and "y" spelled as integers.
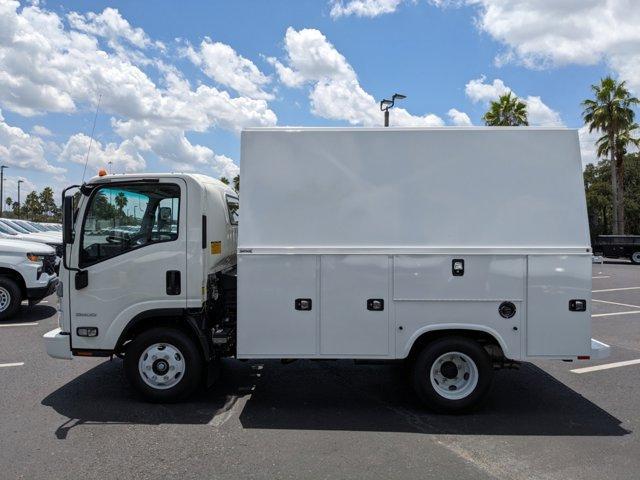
{"x": 128, "y": 217}
{"x": 233, "y": 206}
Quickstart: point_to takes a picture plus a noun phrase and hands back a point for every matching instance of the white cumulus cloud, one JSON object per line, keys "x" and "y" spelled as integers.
{"x": 50, "y": 63}
{"x": 224, "y": 65}
{"x": 124, "y": 156}
{"x": 539, "y": 113}
{"x": 459, "y": 118}
{"x": 22, "y": 150}
{"x": 335, "y": 92}
{"x": 544, "y": 33}
{"x": 363, "y": 8}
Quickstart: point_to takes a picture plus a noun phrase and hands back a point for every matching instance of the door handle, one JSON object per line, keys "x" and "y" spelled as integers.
{"x": 375, "y": 304}
{"x": 173, "y": 282}
{"x": 82, "y": 279}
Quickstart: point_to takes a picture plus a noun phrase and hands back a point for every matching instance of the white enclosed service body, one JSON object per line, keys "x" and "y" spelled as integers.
{"x": 460, "y": 249}
{"x": 354, "y": 242}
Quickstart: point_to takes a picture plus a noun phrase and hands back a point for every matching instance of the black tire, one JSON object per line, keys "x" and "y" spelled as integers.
{"x": 9, "y": 287}
{"x": 426, "y": 391}
{"x": 635, "y": 258}
{"x": 190, "y": 355}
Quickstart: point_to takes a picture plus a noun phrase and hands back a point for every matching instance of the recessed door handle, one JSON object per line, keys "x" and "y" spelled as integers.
{"x": 303, "y": 304}
{"x": 375, "y": 304}
{"x": 173, "y": 282}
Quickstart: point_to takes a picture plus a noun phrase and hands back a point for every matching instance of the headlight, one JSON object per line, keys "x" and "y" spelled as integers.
{"x": 34, "y": 257}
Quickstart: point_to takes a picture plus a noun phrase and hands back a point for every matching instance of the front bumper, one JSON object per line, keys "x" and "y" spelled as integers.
{"x": 599, "y": 350}
{"x": 57, "y": 344}
{"x": 35, "y": 294}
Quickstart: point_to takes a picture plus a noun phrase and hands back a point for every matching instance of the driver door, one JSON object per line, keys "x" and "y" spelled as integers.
{"x": 131, "y": 252}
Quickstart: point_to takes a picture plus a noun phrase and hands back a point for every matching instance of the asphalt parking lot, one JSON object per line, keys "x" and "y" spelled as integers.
{"x": 63, "y": 419}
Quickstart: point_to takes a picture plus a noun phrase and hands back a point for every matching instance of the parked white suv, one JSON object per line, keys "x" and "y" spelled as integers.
{"x": 27, "y": 272}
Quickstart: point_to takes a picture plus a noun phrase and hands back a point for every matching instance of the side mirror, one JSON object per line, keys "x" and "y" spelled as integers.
{"x": 67, "y": 219}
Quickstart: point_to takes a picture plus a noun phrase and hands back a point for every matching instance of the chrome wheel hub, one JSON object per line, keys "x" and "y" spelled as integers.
{"x": 5, "y": 299}
{"x": 454, "y": 375}
{"x": 161, "y": 366}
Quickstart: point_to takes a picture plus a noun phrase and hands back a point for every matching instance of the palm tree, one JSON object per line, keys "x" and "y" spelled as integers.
{"x": 610, "y": 112}
{"x": 624, "y": 138}
{"x": 507, "y": 111}
{"x": 121, "y": 202}
{"x": 236, "y": 183}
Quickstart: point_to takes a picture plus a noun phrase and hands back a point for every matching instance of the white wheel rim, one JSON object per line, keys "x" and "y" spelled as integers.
{"x": 5, "y": 299}
{"x": 161, "y": 366}
{"x": 636, "y": 257}
{"x": 454, "y": 375}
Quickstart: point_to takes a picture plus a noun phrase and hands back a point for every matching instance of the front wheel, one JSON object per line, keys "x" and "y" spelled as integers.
{"x": 452, "y": 374}
{"x": 163, "y": 365}
{"x": 635, "y": 257}
{"x": 10, "y": 298}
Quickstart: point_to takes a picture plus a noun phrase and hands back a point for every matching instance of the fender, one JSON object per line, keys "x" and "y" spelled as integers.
{"x": 453, "y": 326}
{"x": 179, "y": 314}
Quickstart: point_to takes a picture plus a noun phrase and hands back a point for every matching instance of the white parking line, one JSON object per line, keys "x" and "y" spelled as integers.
{"x": 602, "y": 276}
{"x": 615, "y": 313}
{"x": 17, "y": 364}
{"x": 606, "y": 366}
{"x": 18, "y": 324}
{"x": 615, "y": 289}
{"x": 616, "y": 303}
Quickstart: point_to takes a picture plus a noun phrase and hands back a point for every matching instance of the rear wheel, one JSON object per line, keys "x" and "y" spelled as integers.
{"x": 452, "y": 374}
{"x": 635, "y": 257}
{"x": 10, "y": 298}
{"x": 163, "y": 365}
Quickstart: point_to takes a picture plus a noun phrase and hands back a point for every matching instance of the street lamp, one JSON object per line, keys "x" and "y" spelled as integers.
{"x": 19, "y": 182}
{"x": 2, "y": 167}
{"x": 385, "y": 105}
{"x": 110, "y": 167}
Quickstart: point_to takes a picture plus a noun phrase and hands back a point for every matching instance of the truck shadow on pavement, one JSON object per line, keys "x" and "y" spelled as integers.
{"x": 337, "y": 395}
{"x": 31, "y": 314}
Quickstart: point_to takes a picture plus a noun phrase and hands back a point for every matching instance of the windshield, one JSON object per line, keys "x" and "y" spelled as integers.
{"x": 15, "y": 226}
{"x": 38, "y": 227}
{"x": 6, "y": 230}
{"x": 26, "y": 226}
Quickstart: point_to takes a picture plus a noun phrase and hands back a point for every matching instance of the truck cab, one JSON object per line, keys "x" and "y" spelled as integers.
{"x": 139, "y": 251}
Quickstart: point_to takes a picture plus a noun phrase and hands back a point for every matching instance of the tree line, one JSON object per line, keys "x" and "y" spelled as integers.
{"x": 38, "y": 207}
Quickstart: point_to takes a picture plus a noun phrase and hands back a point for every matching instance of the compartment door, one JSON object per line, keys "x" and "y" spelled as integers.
{"x": 348, "y": 324}
{"x": 552, "y": 328}
{"x": 270, "y": 324}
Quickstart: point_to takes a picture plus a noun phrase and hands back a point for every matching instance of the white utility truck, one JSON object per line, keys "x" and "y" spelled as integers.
{"x": 457, "y": 250}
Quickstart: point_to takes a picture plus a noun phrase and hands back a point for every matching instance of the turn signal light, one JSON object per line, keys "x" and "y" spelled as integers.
{"x": 102, "y": 172}
{"x": 33, "y": 257}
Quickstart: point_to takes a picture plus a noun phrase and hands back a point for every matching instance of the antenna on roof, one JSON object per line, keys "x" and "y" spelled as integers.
{"x": 91, "y": 138}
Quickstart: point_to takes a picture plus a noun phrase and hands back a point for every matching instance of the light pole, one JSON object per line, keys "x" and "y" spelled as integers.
{"x": 385, "y": 105}
{"x": 19, "y": 182}
{"x": 2, "y": 167}
{"x": 110, "y": 167}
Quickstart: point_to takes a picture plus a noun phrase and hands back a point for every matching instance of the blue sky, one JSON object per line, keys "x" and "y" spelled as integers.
{"x": 177, "y": 81}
